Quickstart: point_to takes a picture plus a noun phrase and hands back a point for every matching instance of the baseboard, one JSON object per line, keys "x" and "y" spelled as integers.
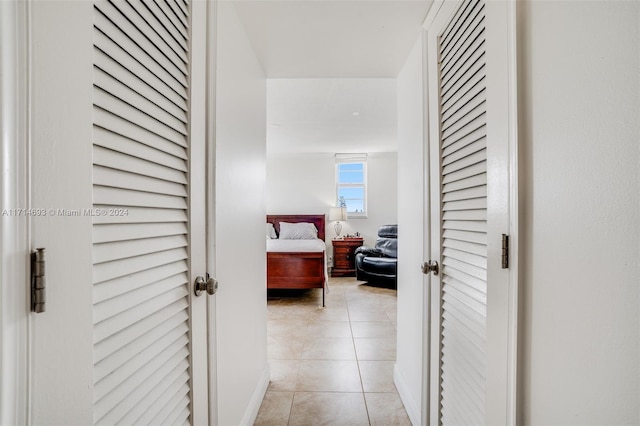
{"x": 413, "y": 410}
{"x": 251, "y": 412}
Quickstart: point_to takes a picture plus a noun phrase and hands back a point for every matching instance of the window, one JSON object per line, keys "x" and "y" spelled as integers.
{"x": 351, "y": 183}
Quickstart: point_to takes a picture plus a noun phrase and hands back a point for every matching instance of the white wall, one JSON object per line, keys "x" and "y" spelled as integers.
{"x": 305, "y": 184}
{"x": 580, "y": 141}
{"x": 411, "y": 233}
{"x": 241, "y": 309}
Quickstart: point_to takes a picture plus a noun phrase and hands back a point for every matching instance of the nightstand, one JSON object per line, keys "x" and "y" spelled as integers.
{"x": 343, "y": 256}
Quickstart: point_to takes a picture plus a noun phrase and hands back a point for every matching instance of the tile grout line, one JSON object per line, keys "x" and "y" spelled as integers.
{"x": 295, "y": 383}
{"x": 293, "y": 398}
{"x": 353, "y": 341}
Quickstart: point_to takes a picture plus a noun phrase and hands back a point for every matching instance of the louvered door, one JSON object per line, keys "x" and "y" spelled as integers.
{"x": 146, "y": 366}
{"x": 463, "y": 159}
{"x": 469, "y": 209}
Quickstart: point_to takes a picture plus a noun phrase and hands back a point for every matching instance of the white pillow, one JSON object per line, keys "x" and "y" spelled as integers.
{"x": 271, "y": 232}
{"x": 298, "y": 231}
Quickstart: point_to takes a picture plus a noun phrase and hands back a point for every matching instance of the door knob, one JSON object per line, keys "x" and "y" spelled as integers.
{"x": 209, "y": 285}
{"x": 431, "y": 266}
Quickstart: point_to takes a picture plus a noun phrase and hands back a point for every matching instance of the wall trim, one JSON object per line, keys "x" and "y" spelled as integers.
{"x": 251, "y": 413}
{"x": 514, "y": 214}
{"x": 426, "y": 243}
{"x": 412, "y": 408}
{"x": 14, "y": 228}
{"x": 210, "y": 209}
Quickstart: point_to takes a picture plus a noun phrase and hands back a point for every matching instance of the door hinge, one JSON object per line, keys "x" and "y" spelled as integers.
{"x": 38, "y": 281}
{"x": 505, "y": 251}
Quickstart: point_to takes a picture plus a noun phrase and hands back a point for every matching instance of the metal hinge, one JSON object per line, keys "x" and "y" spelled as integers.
{"x": 38, "y": 281}
{"x": 505, "y": 251}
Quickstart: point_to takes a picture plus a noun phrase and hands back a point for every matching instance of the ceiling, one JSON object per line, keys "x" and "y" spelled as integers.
{"x": 325, "y": 115}
{"x": 331, "y": 67}
{"x": 332, "y": 38}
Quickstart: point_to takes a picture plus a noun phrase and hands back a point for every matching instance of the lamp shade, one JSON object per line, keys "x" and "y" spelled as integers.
{"x": 337, "y": 213}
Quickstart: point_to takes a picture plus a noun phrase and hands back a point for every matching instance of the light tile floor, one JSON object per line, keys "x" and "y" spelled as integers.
{"x": 332, "y": 365}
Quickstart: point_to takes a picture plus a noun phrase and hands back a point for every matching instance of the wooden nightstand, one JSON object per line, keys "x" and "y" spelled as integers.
{"x": 343, "y": 256}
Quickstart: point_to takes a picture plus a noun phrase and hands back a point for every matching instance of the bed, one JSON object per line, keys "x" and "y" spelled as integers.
{"x": 297, "y": 264}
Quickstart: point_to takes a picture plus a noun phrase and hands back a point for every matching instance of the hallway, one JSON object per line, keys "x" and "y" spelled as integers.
{"x": 333, "y": 365}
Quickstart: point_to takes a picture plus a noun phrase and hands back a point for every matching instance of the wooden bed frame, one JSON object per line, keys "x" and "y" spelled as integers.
{"x": 297, "y": 270}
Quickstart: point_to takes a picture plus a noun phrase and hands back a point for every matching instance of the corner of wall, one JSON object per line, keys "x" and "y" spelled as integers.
{"x": 411, "y": 406}
{"x": 410, "y": 366}
{"x": 253, "y": 407}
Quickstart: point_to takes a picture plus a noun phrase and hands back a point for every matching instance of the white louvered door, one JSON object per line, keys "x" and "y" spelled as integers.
{"x": 471, "y": 299}
{"x": 149, "y": 331}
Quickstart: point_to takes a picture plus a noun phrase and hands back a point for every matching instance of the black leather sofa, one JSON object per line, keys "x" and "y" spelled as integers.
{"x": 379, "y": 265}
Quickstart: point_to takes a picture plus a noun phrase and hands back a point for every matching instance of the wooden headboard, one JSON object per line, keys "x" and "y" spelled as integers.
{"x": 317, "y": 219}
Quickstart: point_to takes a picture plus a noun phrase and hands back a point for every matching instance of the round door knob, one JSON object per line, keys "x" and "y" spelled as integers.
{"x": 431, "y": 266}
{"x": 201, "y": 285}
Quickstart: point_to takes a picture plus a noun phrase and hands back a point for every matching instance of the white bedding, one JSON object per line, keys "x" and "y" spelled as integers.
{"x": 281, "y": 246}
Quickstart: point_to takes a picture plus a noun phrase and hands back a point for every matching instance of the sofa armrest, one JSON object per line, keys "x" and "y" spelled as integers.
{"x": 368, "y": 251}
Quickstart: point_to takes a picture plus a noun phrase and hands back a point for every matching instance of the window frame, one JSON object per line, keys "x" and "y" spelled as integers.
{"x": 353, "y": 159}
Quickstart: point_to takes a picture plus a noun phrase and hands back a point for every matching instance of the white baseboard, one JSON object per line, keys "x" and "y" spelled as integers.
{"x": 413, "y": 410}
{"x": 251, "y": 412}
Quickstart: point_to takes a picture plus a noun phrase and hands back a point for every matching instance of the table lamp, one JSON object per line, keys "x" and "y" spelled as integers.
{"x": 337, "y": 214}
